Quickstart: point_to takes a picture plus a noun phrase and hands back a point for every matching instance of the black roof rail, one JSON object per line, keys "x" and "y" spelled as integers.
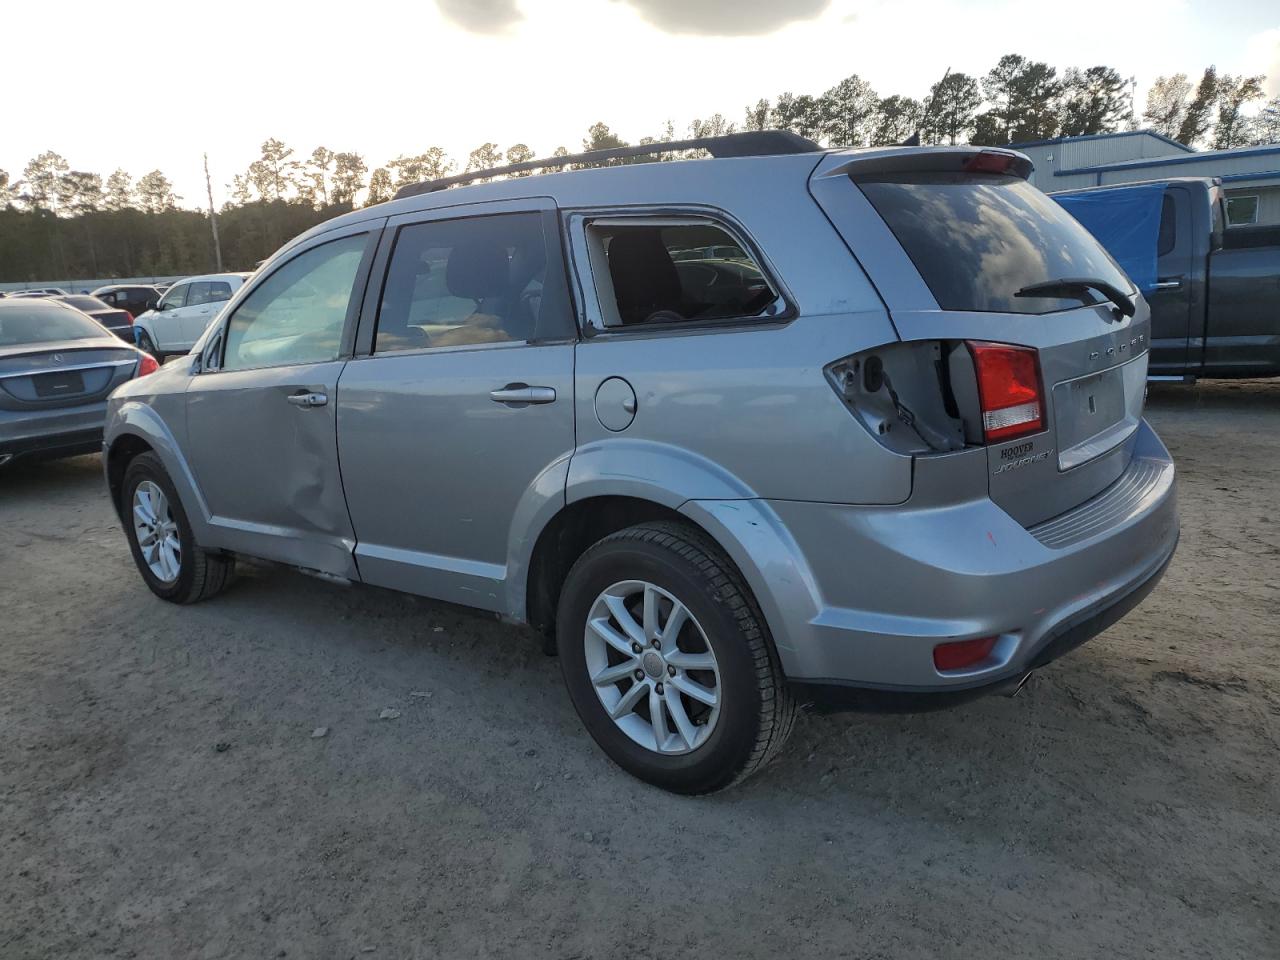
{"x": 755, "y": 143}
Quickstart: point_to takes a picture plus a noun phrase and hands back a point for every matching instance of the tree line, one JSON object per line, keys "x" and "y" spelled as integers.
{"x": 56, "y": 221}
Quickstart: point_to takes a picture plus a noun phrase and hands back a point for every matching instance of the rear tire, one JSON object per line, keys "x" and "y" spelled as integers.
{"x": 172, "y": 564}
{"x": 713, "y": 678}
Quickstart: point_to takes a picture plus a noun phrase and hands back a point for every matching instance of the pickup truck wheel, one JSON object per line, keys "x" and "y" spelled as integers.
{"x": 160, "y": 537}
{"x": 667, "y": 660}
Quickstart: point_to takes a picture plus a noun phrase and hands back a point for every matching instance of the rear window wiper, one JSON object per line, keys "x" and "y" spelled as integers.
{"x": 1074, "y": 286}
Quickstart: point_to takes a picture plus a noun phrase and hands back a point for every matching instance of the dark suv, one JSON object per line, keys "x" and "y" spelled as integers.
{"x": 136, "y": 298}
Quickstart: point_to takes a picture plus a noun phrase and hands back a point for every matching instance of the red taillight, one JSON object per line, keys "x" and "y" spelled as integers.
{"x": 1008, "y": 389}
{"x": 988, "y": 162}
{"x": 147, "y": 364}
{"x": 128, "y": 317}
{"x": 962, "y": 653}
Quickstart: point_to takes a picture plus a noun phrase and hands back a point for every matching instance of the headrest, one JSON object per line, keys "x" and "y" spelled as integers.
{"x": 477, "y": 269}
{"x": 644, "y": 277}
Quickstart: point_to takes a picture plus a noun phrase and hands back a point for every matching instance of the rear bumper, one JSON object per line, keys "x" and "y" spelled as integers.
{"x": 832, "y": 696}
{"x": 66, "y": 432}
{"x": 866, "y": 593}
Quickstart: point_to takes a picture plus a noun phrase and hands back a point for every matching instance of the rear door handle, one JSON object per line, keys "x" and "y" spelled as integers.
{"x": 522, "y": 393}
{"x": 1169, "y": 284}
{"x": 308, "y": 399}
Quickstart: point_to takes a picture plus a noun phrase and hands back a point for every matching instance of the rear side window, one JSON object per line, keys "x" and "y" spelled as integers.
{"x": 978, "y": 239}
{"x": 674, "y": 272}
{"x": 478, "y": 280}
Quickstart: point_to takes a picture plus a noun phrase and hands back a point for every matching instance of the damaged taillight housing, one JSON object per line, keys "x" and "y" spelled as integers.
{"x": 1010, "y": 390}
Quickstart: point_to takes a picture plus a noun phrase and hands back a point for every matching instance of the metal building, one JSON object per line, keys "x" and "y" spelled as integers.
{"x": 1250, "y": 175}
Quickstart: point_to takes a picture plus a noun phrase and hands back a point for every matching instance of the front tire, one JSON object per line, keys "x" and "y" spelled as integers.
{"x": 160, "y": 538}
{"x": 668, "y": 661}
{"x": 146, "y": 344}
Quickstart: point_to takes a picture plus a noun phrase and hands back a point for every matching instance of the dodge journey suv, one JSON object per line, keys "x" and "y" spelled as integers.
{"x": 775, "y": 428}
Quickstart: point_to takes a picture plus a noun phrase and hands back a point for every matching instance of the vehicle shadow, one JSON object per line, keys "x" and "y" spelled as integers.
{"x": 38, "y": 479}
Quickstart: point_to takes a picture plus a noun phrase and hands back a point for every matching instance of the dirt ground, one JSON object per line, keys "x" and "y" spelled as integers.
{"x": 162, "y": 794}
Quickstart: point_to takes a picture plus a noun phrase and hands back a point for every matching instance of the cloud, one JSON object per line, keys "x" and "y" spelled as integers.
{"x": 725, "y": 18}
{"x": 1262, "y": 55}
{"x": 481, "y": 16}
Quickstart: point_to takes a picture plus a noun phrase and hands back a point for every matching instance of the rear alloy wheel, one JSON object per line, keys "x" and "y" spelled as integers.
{"x": 652, "y": 667}
{"x": 161, "y": 540}
{"x": 668, "y": 661}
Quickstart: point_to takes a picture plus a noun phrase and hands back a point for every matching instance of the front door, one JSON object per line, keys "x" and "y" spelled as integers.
{"x": 455, "y": 428}
{"x": 167, "y": 321}
{"x": 261, "y": 417}
{"x": 203, "y": 304}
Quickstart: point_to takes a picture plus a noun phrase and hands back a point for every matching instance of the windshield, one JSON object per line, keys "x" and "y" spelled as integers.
{"x": 978, "y": 239}
{"x": 31, "y": 321}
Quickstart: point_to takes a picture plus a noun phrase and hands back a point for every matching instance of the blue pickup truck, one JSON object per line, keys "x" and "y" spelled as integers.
{"x": 1214, "y": 290}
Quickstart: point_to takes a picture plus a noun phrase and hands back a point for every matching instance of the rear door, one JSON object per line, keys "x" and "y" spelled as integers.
{"x": 950, "y": 242}
{"x": 261, "y": 414}
{"x": 1171, "y": 301}
{"x": 455, "y": 419}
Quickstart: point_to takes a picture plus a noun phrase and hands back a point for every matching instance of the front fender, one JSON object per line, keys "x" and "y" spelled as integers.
{"x": 137, "y": 419}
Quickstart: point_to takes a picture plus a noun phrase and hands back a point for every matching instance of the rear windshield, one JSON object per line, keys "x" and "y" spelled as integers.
{"x": 977, "y": 239}
{"x": 86, "y": 303}
{"x": 35, "y": 322}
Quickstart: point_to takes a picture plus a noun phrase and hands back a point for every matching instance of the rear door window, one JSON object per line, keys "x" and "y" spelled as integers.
{"x": 199, "y": 293}
{"x": 489, "y": 279}
{"x": 977, "y": 239}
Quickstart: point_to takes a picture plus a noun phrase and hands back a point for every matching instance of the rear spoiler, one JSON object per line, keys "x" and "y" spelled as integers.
{"x": 890, "y": 160}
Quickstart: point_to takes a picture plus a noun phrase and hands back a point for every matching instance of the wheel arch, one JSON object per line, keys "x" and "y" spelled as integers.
{"x": 136, "y": 427}
{"x": 746, "y": 532}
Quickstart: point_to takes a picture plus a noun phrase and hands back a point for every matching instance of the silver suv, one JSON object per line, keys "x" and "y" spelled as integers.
{"x": 781, "y": 427}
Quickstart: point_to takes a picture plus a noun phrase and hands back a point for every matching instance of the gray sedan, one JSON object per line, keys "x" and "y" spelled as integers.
{"x": 57, "y": 367}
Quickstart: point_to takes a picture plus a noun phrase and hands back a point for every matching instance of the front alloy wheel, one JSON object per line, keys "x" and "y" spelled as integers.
{"x": 160, "y": 537}
{"x": 157, "y": 532}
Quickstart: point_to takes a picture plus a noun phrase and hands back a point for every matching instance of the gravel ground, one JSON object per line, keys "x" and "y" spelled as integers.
{"x": 163, "y": 793}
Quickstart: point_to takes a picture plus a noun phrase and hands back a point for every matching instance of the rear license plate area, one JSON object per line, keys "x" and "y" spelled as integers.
{"x": 1089, "y": 413}
{"x": 67, "y": 383}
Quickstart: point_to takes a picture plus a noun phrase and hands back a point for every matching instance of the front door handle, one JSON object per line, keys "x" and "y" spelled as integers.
{"x": 308, "y": 399}
{"x": 1172, "y": 283}
{"x": 521, "y": 394}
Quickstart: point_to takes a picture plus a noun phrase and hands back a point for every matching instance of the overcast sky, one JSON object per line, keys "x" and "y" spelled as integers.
{"x": 142, "y": 84}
